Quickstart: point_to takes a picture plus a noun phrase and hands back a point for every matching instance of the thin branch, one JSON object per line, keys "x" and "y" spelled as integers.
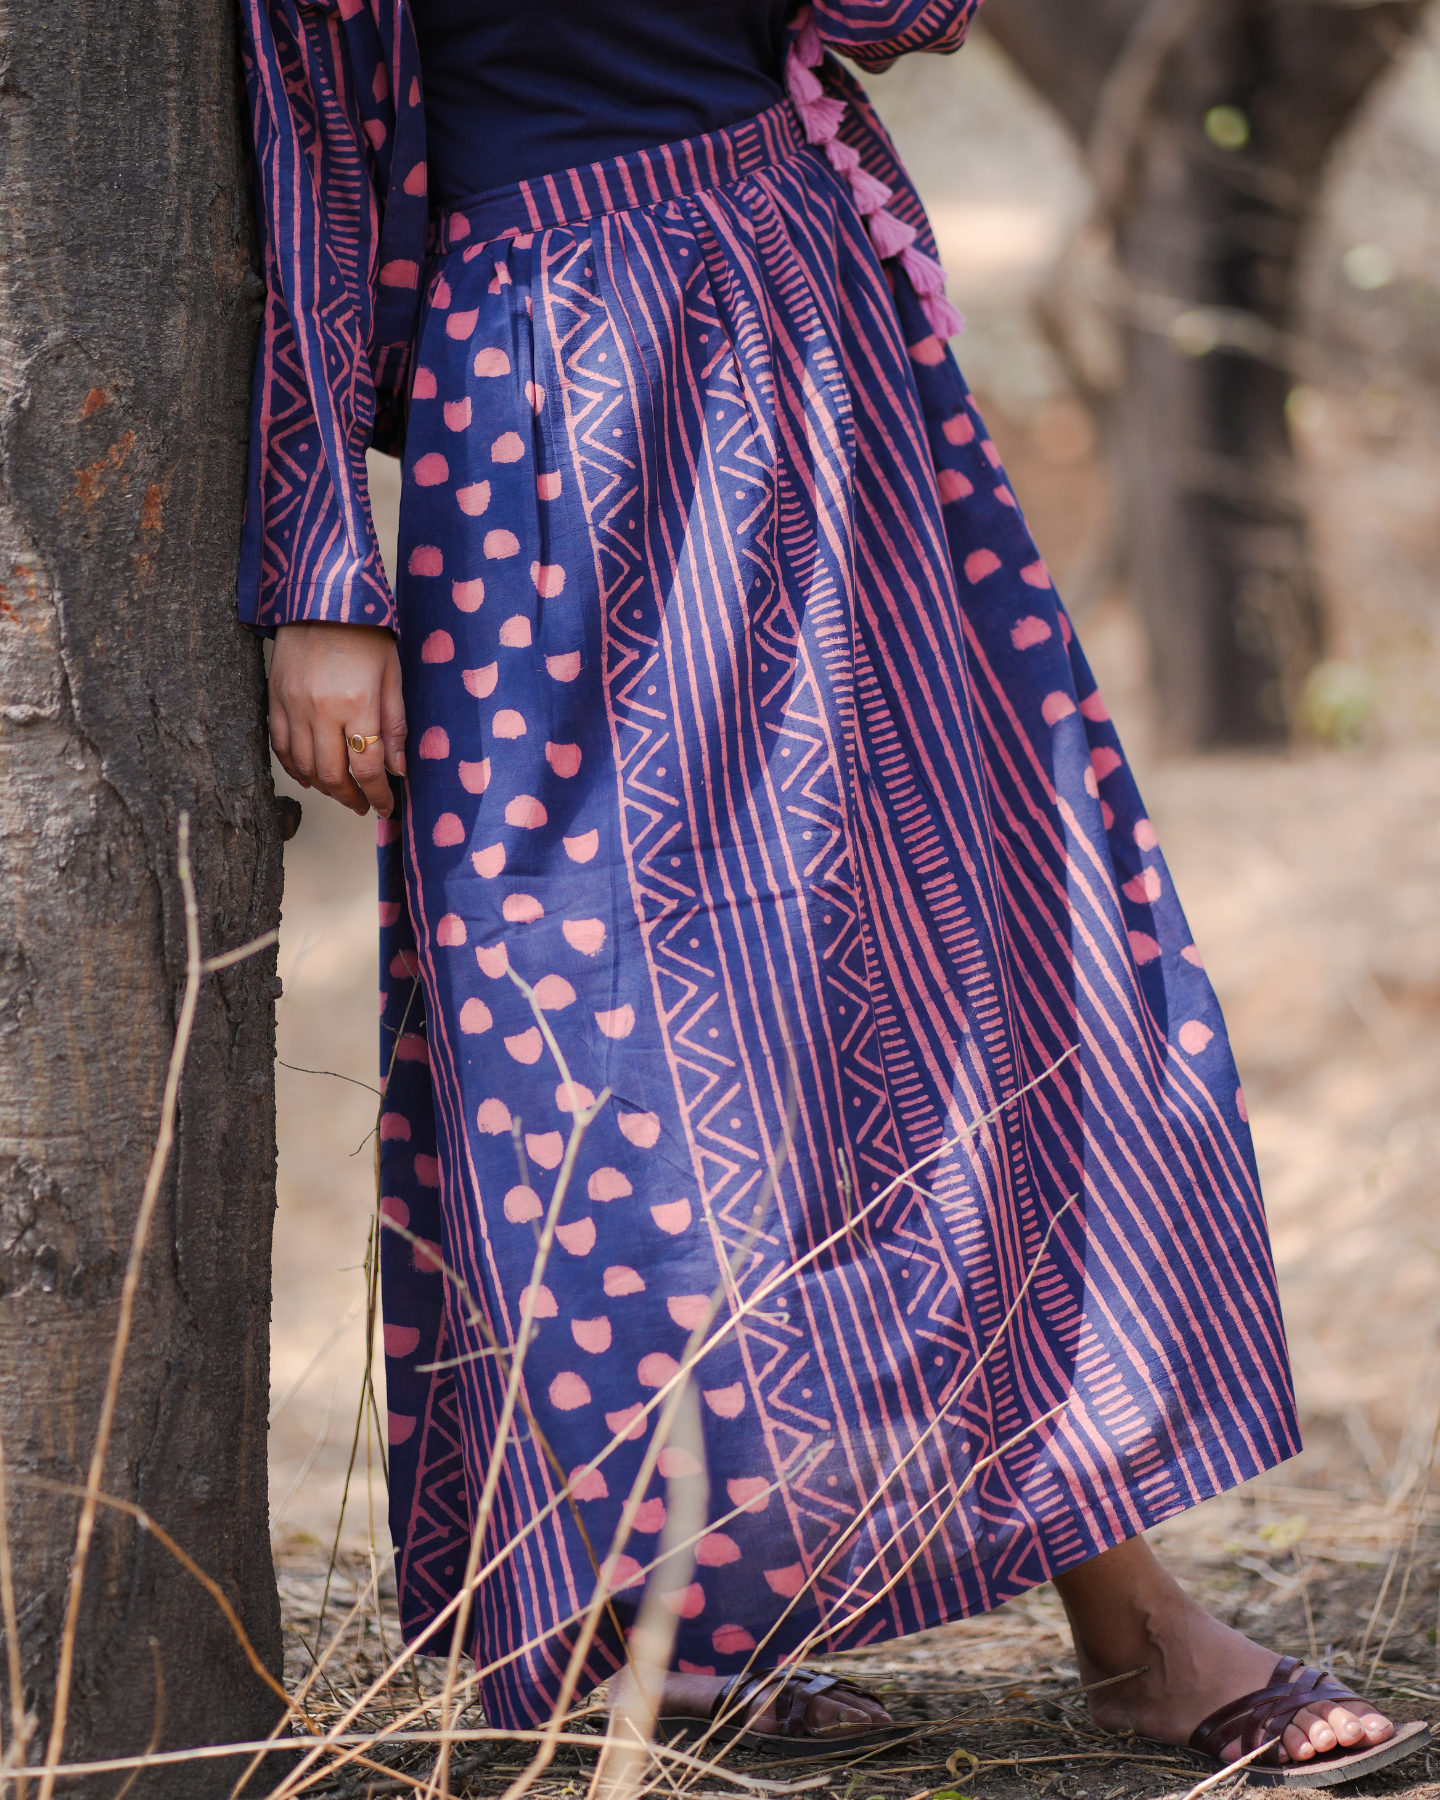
{"x": 334, "y": 1075}
{"x": 322, "y": 1440}
{"x": 1241, "y": 1762}
{"x": 227, "y": 957}
{"x": 315, "y": 1361}
{"x": 1129, "y": 91}
{"x": 352, "y": 1740}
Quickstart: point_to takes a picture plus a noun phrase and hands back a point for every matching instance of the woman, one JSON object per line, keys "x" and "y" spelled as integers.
{"x": 725, "y": 702}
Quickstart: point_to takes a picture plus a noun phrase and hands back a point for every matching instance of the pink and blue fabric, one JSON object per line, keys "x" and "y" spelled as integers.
{"x": 747, "y": 727}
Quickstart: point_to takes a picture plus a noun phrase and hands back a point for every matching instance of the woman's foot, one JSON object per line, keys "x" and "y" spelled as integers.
{"x": 1125, "y": 1612}
{"x": 837, "y": 1714}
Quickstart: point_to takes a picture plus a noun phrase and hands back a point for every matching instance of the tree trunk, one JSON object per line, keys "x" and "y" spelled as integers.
{"x": 1205, "y": 228}
{"x": 129, "y": 693}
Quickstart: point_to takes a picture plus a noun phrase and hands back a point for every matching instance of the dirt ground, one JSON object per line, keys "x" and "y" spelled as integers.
{"x": 1311, "y": 881}
{"x": 992, "y": 1701}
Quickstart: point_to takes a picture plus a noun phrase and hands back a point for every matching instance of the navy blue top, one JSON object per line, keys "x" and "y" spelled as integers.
{"x": 519, "y": 88}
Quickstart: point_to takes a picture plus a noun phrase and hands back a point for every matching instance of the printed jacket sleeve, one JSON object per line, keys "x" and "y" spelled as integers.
{"x": 330, "y": 162}
{"x": 873, "y": 33}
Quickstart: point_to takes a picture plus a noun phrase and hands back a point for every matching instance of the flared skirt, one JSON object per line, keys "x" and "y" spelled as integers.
{"x": 805, "y": 1106}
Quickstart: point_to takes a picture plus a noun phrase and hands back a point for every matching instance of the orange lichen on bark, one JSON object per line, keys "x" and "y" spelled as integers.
{"x": 151, "y": 508}
{"x": 92, "y": 481}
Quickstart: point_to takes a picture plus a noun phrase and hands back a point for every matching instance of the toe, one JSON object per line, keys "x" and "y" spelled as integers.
{"x": 841, "y": 1718}
{"x": 1297, "y": 1743}
{"x": 850, "y": 1714}
{"x": 1376, "y": 1727}
{"x": 1347, "y": 1728}
{"x": 1318, "y": 1729}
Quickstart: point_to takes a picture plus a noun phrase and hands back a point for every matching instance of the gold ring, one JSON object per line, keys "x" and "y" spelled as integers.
{"x": 361, "y": 744}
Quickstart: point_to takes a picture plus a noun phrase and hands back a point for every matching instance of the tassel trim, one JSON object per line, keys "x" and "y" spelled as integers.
{"x": 926, "y": 275}
{"x": 870, "y": 194}
{"x": 821, "y": 118}
{"x": 844, "y": 158}
{"x": 889, "y": 235}
{"x": 802, "y": 83}
{"x": 821, "y": 114}
{"x": 945, "y": 320}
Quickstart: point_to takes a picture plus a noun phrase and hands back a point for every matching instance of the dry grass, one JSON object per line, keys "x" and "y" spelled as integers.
{"x": 1348, "y": 1581}
{"x": 382, "y": 1696}
{"x": 992, "y": 1700}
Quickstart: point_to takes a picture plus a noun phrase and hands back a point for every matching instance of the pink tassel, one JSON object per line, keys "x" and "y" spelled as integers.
{"x": 844, "y": 158}
{"x": 821, "y": 118}
{"x": 801, "y": 83}
{"x": 928, "y": 280}
{"x": 889, "y": 235}
{"x": 820, "y": 113}
{"x": 926, "y": 275}
{"x": 944, "y": 319}
{"x": 870, "y": 194}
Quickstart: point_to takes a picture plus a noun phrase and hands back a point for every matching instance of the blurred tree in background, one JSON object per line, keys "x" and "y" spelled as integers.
{"x": 1206, "y": 130}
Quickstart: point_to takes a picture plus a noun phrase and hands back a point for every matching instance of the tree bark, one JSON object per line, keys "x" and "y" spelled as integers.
{"x": 1202, "y": 304}
{"x": 128, "y": 693}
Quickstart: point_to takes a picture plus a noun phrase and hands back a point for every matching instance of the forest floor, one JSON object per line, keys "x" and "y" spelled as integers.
{"x": 992, "y": 1699}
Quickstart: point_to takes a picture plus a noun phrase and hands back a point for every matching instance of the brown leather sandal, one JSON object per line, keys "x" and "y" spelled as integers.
{"x": 1264, "y": 1714}
{"x": 792, "y": 1690}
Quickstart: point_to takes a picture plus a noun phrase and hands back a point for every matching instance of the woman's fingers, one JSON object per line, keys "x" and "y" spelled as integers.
{"x": 299, "y": 761}
{"x": 281, "y": 740}
{"x": 332, "y": 770}
{"x": 368, "y": 768}
{"x": 370, "y": 765}
{"x": 279, "y": 722}
{"x": 328, "y": 683}
{"x": 392, "y": 715}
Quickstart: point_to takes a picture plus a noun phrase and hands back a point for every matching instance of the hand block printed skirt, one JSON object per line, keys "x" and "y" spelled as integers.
{"x": 896, "y": 1174}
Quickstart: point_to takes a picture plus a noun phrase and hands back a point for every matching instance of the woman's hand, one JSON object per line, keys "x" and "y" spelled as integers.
{"x": 329, "y": 683}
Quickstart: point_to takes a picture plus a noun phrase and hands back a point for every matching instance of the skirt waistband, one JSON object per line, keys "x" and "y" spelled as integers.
{"x": 640, "y": 178}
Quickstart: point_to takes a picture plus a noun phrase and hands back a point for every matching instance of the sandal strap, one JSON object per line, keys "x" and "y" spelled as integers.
{"x": 1265, "y": 1713}
{"x": 792, "y": 1693}
{"x": 737, "y": 1692}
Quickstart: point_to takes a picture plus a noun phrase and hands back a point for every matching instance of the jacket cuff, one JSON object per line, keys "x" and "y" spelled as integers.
{"x": 350, "y": 592}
